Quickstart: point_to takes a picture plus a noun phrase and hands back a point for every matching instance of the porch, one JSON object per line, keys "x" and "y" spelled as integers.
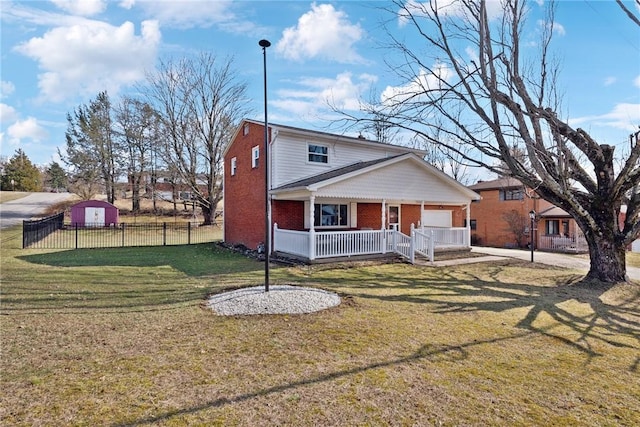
{"x": 424, "y": 241}
{"x": 559, "y": 243}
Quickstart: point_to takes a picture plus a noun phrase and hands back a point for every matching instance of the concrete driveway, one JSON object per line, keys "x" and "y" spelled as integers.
{"x": 577, "y": 262}
{"x": 31, "y": 206}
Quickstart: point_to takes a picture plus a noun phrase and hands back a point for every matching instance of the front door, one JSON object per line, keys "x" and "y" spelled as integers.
{"x": 393, "y": 217}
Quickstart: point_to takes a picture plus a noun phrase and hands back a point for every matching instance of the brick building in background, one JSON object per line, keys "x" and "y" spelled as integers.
{"x": 501, "y": 219}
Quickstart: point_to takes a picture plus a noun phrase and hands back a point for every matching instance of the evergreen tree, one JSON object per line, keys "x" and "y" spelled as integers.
{"x": 20, "y": 174}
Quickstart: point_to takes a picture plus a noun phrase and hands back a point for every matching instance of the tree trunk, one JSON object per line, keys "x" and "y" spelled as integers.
{"x": 608, "y": 262}
{"x": 207, "y": 213}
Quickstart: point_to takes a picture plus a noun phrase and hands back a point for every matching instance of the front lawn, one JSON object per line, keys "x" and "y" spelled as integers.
{"x": 122, "y": 337}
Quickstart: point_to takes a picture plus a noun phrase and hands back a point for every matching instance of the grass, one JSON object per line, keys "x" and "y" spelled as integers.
{"x": 122, "y": 337}
{"x": 7, "y": 196}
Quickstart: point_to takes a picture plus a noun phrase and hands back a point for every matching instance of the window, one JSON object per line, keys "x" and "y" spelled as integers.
{"x": 552, "y": 227}
{"x": 473, "y": 224}
{"x": 245, "y": 129}
{"x": 234, "y": 166}
{"x": 255, "y": 156}
{"x": 329, "y": 215}
{"x": 512, "y": 194}
{"x": 318, "y": 153}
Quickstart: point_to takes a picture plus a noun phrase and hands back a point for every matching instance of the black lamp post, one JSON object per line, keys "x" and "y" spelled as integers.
{"x": 264, "y": 44}
{"x": 532, "y": 215}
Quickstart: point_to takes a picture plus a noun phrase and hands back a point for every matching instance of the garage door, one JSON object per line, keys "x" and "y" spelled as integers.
{"x": 439, "y": 218}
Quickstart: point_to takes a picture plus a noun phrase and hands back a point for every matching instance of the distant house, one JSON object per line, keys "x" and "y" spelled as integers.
{"x": 501, "y": 219}
{"x": 334, "y": 195}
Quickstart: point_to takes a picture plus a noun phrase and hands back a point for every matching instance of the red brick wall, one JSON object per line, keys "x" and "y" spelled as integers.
{"x": 491, "y": 228}
{"x": 288, "y": 214}
{"x": 369, "y": 215}
{"x": 244, "y": 203}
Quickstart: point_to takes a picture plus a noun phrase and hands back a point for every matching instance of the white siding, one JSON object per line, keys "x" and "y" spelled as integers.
{"x": 402, "y": 181}
{"x": 635, "y": 246}
{"x": 290, "y": 160}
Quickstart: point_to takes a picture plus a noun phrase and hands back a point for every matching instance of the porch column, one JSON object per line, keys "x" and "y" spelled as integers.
{"x": 312, "y": 230}
{"x": 468, "y": 235}
{"x": 420, "y": 224}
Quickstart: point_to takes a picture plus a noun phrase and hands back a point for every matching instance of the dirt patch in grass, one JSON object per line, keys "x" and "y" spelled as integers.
{"x": 115, "y": 337}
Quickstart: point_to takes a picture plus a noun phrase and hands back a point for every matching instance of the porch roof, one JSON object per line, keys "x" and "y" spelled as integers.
{"x": 401, "y": 177}
{"x": 554, "y": 211}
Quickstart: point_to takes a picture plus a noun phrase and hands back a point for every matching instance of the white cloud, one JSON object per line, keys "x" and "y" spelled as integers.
{"x": 445, "y": 8}
{"x": 90, "y": 57}
{"x": 317, "y": 94}
{"x": 558, "y": 29}
{"x": 26, "y": 129}
{"x": 636, "y": 81}
{"x": 127, "y": 4}
{"x": 323, "y": 33}
{"x": 424, "y": 81}
{"x": 623, "y": 116}
{"x": 192, "y": 14}
{"x": 82, "y": 7}
{"x": 6, "y": 88}
{"x": 8, "y": 114}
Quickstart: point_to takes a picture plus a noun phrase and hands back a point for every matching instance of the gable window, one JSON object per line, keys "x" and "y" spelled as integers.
{"x": 552, "y": 227}
{"x": 512, "y": 194}
{"x": 330, "y": 215}
{"x": 234, "y": 166}
{"x": 255, "y": 156}
{"x": 318, "y": 153}
{"x": 245, "y": 129}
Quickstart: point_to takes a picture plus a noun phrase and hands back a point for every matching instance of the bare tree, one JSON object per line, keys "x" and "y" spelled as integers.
{"x": 517, "y": 225}
{"x": 137, "y": 128}
{"x": 471, "y": 73}
{"x": 200, "y": 102}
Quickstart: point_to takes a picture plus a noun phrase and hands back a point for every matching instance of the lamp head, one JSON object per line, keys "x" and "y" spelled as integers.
{"x": 532, "y": 214}
{"x": 264, "y": 43}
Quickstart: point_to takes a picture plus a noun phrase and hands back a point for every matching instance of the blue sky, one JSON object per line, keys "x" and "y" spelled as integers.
{"x": 59, "y": 54}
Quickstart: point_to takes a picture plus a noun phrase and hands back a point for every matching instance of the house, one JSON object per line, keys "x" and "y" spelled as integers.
{"x": 334, "y": 195}
{"x": 501, "y": 219}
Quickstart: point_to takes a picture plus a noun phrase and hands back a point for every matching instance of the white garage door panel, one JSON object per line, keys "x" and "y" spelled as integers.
{"x": 439, "y": 218}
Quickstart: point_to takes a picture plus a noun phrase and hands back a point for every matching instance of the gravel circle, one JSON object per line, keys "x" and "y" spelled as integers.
{"x": 281, "y": 299}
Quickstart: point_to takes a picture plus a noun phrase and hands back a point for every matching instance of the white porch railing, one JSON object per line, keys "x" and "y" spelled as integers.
{"x": 563, "y": 244}
{"x": 331, "y": 244}
{"x": 347, "y": 243}
{"x": 443, "y": 237}
{"x": 291, "y": 241}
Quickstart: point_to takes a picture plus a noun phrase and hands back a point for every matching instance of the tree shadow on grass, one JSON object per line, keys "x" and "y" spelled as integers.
{"x": 582, "y": 312}
{"x": 428, "y": 352}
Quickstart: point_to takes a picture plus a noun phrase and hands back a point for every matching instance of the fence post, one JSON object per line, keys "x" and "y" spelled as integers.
{"x": 412, "y": 253}
{"x": 164, "y": 234}
{"x": 123, "y": 225}
{"x": 188, "y": 233}
{"x": 431, "y": 247}
{"x": 76, "y": 224}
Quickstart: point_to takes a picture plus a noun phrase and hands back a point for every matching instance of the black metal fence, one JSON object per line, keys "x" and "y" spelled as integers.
{"x": 38, "y": 230}
{"x": 75, "y": 236}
